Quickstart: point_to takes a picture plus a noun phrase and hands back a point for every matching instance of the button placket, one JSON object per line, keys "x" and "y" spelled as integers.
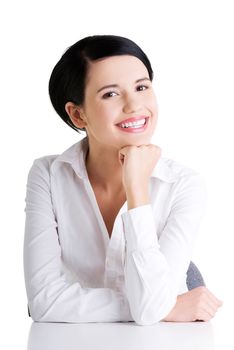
{"x": 114, "y": 274}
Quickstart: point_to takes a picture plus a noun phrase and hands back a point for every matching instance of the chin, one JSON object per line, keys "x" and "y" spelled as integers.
{"x": 141, "y": 141}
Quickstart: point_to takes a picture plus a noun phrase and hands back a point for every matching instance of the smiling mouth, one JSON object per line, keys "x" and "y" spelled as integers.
{"x": 135, "y": 126}
{"x": 137, "y": 123}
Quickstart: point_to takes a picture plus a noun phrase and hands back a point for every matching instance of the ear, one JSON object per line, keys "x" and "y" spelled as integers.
{"x": 76, "y": 114}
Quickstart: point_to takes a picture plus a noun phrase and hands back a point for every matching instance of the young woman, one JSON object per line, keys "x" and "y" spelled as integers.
{"x": 111, "y": 224}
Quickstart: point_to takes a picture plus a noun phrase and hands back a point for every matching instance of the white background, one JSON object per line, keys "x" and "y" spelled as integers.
{"x": 190, "y": 46}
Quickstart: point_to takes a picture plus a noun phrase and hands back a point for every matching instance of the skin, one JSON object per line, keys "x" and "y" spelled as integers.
{"x": 117, "y": 161}
{"x": 108, "y": 145}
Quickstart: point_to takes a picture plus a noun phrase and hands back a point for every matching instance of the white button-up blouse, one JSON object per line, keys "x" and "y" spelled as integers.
{"x": 74, "y": 272}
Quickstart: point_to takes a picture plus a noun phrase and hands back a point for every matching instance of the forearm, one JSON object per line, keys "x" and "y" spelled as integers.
{"x": 148, "y": 282}
{"x": 137, "y": 196}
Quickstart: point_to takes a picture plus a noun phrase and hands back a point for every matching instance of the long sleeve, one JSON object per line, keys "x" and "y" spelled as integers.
{"x": 154, "y": 268}
{"x": 53, "y": 294}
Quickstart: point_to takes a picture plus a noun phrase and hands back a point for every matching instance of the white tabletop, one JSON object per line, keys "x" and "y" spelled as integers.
{"x": 18, "y": 331}
{"x": 116, "y": 336}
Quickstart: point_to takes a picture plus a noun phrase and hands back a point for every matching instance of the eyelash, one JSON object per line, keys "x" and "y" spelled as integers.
{"x": 110, "y": 92}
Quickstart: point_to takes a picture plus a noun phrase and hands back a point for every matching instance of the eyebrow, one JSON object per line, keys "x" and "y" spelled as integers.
{"x": 116, "y": 85}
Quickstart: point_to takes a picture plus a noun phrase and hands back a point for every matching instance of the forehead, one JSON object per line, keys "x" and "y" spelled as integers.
{"x": 113, "y": 69}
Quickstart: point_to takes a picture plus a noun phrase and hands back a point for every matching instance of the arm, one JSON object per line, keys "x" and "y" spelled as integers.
{"x": 53, "y": 294}
{"x": 154, "y": 268}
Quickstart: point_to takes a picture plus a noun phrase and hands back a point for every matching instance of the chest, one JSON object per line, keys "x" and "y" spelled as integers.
{"x": 109, "y": 207}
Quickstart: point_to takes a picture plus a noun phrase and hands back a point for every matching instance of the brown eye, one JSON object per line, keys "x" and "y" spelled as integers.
{"x": 142, "y": 86}
{"x": 108, "y": 94}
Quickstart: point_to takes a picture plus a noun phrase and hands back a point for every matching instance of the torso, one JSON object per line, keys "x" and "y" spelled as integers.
{"x": 109, "y": 208}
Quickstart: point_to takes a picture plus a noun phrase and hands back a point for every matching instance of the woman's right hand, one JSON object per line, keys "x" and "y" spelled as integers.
{"x": 198, "y": 304}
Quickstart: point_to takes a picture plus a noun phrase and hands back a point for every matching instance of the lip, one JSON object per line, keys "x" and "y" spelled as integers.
{"x": 135, "y": 130}
{"x": 133, "y": 119}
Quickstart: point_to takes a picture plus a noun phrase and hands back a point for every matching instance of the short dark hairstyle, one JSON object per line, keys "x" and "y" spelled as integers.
{"x": 67, "y": 80}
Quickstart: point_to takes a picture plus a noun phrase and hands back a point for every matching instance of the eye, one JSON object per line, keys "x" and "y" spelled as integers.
{"x": 108, "y": 94}
{"x": 143, "y": 86}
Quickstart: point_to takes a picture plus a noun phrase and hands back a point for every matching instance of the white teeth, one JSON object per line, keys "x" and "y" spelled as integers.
{"x": 135, "y": 124}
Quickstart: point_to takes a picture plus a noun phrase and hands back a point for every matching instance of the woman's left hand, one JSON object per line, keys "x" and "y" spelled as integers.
{"x": 138, "y": 163}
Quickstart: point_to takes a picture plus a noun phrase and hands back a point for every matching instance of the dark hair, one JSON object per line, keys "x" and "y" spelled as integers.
{"x": 67, "y": 80}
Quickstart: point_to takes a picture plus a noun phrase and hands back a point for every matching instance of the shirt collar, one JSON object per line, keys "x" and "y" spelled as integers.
{"x": 76, "y": 154}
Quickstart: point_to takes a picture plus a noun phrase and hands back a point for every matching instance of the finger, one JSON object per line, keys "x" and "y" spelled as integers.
{"x": 123, "y": 151}
{"x": 214, "y": 302}
{"x": 204, "y": 315}
{"x": 212, "y": 307}
{"x": 126, "y": 150}
{"x": 208, "y": 311}
{"x": 121, "y": 158}
{"x": 213, "y": 298}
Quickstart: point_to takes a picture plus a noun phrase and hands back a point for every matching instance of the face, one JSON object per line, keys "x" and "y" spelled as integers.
{"x": 131, "y": 100}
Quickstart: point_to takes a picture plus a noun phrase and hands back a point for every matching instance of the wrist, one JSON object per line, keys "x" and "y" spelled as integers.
{"x": 137, "y": 197}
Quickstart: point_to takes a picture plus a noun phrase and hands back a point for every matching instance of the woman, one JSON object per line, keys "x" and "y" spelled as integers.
{"x": 110, "y": 224}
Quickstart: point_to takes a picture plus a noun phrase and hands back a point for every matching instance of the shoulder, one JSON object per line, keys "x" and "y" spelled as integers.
{"x": 177, "y": 168}
{"x": 172, "y": 171}
{"x": 39, "y": 173}
{"x": 189, "y": 184}
{"x": 184, "y": 180}
{"x": 42, "y": 165}
{"x": 45, "y": 162}
{"x": 49, "y": 163}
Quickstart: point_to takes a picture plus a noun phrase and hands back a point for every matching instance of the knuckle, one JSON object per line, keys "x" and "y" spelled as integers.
{"x": 200, "y": 303}
{"x": 213, "y": 313}
{"x": 202, "y": 290}
{"x": 207, "y": 318}
{"x": 196, "y": 315}
{"x": 158, "y": 152}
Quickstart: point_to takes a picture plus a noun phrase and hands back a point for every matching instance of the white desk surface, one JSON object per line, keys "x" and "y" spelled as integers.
{"x": 18, "y": 331}
{"x": 116, "y": 336}
{"x": 213, "y": 335}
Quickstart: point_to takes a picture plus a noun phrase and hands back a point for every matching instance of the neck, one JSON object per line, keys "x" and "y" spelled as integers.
{"x": 104, "y": 169}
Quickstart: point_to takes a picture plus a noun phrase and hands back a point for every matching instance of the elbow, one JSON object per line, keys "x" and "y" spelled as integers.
{"x": 147, "y": 318}
{"x": 32, "y": 312}
{"x": 142, "y": 321}
{"x": 152, "y": 313}
{"x": 35, "y": 312}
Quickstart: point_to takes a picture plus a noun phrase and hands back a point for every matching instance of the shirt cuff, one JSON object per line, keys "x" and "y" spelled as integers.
{"x": 139, "y": 228}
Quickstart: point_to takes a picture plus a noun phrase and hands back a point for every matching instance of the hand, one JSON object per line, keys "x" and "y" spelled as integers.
{"x": 137, "y": 164}
{"x": 198, "y": 304}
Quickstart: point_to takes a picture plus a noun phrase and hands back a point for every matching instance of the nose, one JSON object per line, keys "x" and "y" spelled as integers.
{"x": 131, "y": 104}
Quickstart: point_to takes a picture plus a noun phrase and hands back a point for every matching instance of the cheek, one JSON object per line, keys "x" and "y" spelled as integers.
{"x": 108, "y": 111}
{"x": 152, "y": 104}
{"x": 97, "y": 113}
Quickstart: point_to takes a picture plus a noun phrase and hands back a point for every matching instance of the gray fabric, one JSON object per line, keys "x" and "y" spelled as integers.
{"x": 194, "y": 277}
